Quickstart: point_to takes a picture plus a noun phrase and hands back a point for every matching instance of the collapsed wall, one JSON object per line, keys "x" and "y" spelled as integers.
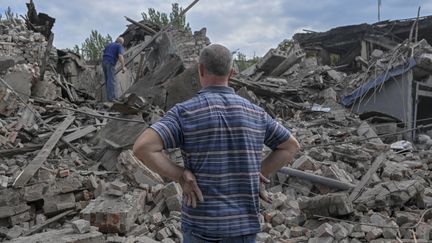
{"x": 67, "y": 173}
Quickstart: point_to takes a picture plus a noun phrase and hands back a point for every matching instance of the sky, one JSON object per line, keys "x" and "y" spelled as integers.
{"x": 251, "y": 26}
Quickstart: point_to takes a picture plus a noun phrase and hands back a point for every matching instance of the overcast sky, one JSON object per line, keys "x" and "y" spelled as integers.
{"x": 253, "y": 26}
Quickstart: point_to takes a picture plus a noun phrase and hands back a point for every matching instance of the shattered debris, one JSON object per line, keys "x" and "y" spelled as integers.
{"x": 67, "y": 173}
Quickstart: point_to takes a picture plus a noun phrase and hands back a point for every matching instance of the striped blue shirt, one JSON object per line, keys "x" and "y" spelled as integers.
{"x": 221, "y": 136}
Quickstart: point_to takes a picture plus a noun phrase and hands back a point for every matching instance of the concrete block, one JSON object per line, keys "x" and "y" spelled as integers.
{"x": 145, "y": 239}
{"x": 340, "y": 232}
{"x": 262, "y": 237}
{"x": 136, "y": 172}
{"x": 21, "y": 82}
{"x": 423, "y": 231}
{"x": 14, "y": 232}
{"x": 171, "y": 189}
{"x": 58, "y": 203}
{"x": 156, "y": 218}
{"x": 8, "y": 211}
{"x": 174, "y": 203}
{"x": 6, "y": 62}
{"x": 333, "y": 204}
{"x": 324, "y": 230}
{"x": 274, "y": 233}
{"x": 167, "y": 240}
{"x": 278, "y": 219}
{"x": 373, "y": 233}
{"x": 113, "y": 214}
{"x": 113, "y": 192}
{"x": 118, "y": 185}
{"x": 20, "y": 218}
{"x": 327, "y": 239}
{"x": 81, "y": 226}
{"x": 293, "y": 58}
{"x": 335, "y": 75}
{"x": 271, "y": 60}
{"x": 65, "y": 235}
{"x": 298, "y": 231}
{"x": 64, "y": 173}
{"x": 40, "y": 218}
{"x": 46, "y": 90}
{"x": 71, "y": 183}
{"x": 163, "y": 233}
{"x": 304, "y": 163}
{"x": 329, "y": 94}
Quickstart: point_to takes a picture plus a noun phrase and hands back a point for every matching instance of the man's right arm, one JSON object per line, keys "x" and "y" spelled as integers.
{"x": 279, "y": 157}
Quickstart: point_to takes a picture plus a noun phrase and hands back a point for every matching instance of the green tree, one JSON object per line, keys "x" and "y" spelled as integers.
{"x": 286, "y": 44}
{"x": 163, "y": 19}
{"x": 9, "y": 14}
{"x": 243, "y": 62}
{"x": 93, "y": 46}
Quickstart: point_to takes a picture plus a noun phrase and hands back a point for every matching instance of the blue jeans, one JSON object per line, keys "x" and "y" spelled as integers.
{"x": 192, "y": 237}
{"x": 110, "y": 82}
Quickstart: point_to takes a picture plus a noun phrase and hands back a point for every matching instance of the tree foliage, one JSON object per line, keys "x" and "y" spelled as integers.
{"x": 163, "y": 19}
{"x": 286, "y": 44}
{"x": 91, "y": 49}
{"x": 9, "y": 14}
{"x": 243, "y": 62}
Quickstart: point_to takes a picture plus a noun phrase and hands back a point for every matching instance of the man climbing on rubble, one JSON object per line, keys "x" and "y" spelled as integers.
{"x": 221, "y": 136}
{"x": 112, "y": 52}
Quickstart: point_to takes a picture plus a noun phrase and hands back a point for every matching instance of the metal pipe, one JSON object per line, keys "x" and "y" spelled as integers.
{"x": 317, "y": 179}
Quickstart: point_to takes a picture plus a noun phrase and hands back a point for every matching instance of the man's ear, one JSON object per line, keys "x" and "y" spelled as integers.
{"x": 231, "y": 73}
{"x": 201, "y": 69}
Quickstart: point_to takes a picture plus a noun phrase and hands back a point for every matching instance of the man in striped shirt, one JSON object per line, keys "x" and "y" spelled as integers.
{"x": 221, "y": 136}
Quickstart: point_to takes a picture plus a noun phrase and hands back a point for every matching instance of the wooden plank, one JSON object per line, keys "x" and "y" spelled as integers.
{"x": 79, "y": 133}
{"x": 146, "y": 28}
{"x": 65, "y": 87}
{"x": 376, "y": 164}
{"x": 14, "y": 151}
{"x": 140, "y": 67}
{"x": 39, "y": 227}
{"x": 45, "y": 58}
{"x": 41, "y": 157}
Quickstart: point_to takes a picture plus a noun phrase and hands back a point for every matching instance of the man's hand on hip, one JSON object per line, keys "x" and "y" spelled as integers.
{"x": 190, "y": 188}
{"x": 263, "y": 193}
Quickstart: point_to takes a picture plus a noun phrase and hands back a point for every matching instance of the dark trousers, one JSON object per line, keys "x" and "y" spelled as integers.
{"x": 191, "y": 237}
{"x": 110, "y": 82}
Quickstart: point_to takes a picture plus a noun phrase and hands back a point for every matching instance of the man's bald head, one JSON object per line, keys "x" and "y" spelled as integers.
{"x": 120, "y": 40}
{"x": 216, "y": 59}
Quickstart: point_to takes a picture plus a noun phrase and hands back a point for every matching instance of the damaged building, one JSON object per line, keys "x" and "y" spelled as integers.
{"x": 356, "y": 97}
{"x": 395, "y": 58}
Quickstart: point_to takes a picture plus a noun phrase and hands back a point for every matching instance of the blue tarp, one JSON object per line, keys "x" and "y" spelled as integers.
{"x": 348, "y": 100}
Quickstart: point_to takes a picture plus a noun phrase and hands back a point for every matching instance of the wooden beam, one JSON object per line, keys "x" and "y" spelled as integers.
{"x": 46, "y": 56}
{"x": 376, "y": 164}
{"x": 79, "y": 133}
{"x": 152, "y": 31}
{"x": 25, "y": 149}
{"x": 43, "y": 154}
{"x": 140, "y": 67}
{"x": 39, "y": 227}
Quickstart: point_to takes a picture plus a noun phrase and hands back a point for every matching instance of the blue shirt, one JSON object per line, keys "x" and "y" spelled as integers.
{"x": 111, "y": 52}
{"x": 221, "y": 136}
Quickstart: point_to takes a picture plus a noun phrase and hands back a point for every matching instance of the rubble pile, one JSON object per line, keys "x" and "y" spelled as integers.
{"x": 67, "y": 173}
